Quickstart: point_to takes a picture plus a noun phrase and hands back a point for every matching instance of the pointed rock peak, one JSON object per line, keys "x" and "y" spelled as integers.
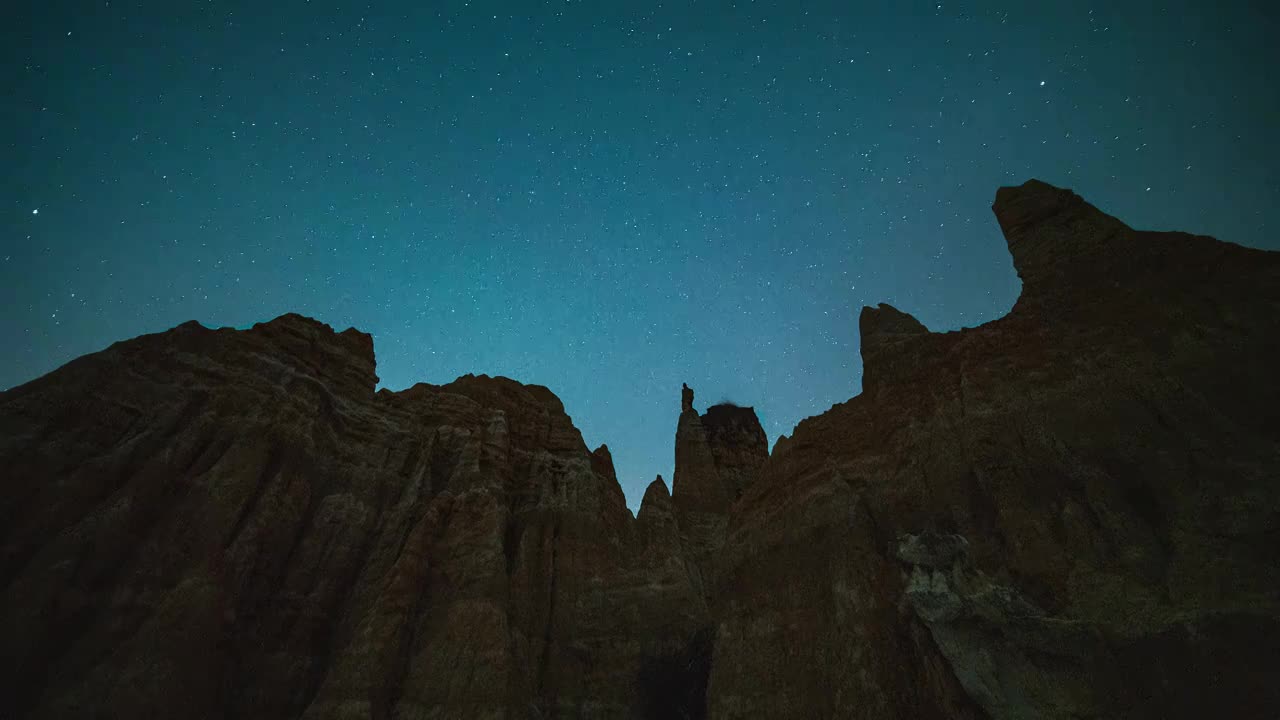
{"x": 656, "y": 501}
{"x": 357, "y": 337}
{"x": 602, "y": 463}
{"x": 294, "y": 320}
{"x": 887, "y": 320}
{"x": 686, "y": 398}
{"x": 1061, "y": 244}
{"x": 657, "y": 491}
{"x": 884, "y": 329}
{"x": 782, "y": 443}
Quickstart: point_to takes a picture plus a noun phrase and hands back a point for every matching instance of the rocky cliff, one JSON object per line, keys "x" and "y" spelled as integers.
{"x": 1069, "y": 512}
{"x": 216, "y": 523}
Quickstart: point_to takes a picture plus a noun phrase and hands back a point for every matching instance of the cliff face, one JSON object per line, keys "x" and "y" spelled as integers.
{"x": 218, "y": 523}
{"x": 1070, "y": 512}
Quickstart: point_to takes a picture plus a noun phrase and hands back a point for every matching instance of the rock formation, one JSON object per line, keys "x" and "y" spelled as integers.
{"x": 1069, "y": 512}
{"x": 216, "y": 523}
{"x": 718, "y": 456}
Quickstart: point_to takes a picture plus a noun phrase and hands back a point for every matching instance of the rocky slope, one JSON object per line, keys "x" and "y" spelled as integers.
{"x": 1070, "y": 512}
{"x": 718, "y": 456}
{"x": 214, "y": 523}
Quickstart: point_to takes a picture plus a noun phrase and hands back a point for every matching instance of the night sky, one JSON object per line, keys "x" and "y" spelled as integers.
{"x": 607, "y": 198}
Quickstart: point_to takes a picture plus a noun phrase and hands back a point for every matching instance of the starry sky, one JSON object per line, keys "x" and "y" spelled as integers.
{"x": 607, "y": 198}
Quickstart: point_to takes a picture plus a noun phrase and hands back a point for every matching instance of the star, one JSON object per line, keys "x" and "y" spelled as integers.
{"x": 749, "y": 152}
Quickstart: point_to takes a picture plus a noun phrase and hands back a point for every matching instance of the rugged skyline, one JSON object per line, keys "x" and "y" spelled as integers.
{"x": 605, "y": 199}
{"x": 1066, "y": 513}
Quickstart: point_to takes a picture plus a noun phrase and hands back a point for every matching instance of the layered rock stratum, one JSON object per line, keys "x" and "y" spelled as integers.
{"x": 222, "y": 523}
{"x": 1070, "y": 512}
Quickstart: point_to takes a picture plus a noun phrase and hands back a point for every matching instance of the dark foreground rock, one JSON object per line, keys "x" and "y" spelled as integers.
{"x": 1070, "y": 512}
{"x": 221, "y": 524}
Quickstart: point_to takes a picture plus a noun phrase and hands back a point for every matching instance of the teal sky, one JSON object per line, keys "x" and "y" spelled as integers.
{"x": 609, "y": 199}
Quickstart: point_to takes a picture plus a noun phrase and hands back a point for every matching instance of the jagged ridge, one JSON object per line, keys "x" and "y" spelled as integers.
{"x": 1066, "y": 512}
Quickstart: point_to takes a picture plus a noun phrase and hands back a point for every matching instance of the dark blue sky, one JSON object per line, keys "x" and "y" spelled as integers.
{"x": 606, "y": 198}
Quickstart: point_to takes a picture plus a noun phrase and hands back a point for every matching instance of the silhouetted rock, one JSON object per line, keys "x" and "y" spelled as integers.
{"x": 1069, "y": 512}
{"x": 884, "y": 331}
{"x": 216, "y": 523}
{"x": 718, "y": 455}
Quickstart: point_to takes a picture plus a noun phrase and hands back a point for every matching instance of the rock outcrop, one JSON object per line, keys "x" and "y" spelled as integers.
{"x": 718, "y": 456}
{"x": 1069, "y": 512}
{"x": 221, "y": 523}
